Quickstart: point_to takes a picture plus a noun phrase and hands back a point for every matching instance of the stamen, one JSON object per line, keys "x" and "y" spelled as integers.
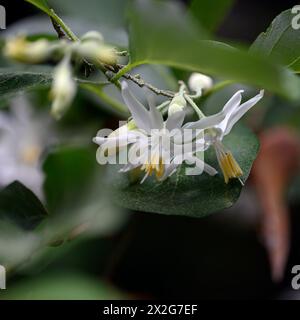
{"x": 30, "y": 155}
{"x": 155, "y": 165}
{"x": 160, "y": 171}
{"x": 228, "y": 164}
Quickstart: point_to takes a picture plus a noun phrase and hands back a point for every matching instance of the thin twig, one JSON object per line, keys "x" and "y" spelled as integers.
{"x": 137, "y": 80}
{"x": 62, "y": 24}
{"x": 141, "y": 83}
{"x": 194, "y": 106}
{"x": 57, "y": 28}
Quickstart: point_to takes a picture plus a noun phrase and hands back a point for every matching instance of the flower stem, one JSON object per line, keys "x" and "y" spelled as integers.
{"x": 194, "y": 106}
{"x": 63, "y": 25}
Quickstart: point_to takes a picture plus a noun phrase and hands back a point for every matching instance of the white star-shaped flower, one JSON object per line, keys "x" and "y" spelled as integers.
{"x": 155, "y": 145}
{"x": 217, "y": 130}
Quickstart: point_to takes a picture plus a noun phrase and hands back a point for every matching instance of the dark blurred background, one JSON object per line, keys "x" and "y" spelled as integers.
{"x": 244, "y": 22}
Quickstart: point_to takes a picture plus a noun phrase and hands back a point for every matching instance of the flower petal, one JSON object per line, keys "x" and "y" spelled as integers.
{"x": 238, "y": 113}
{"x": 202, "y": 165}
{"x": 206, "y": 122}
{"x": 5, "y": 122}
{"x": 175, "y": 120}
{"x": 156, "y": 118}
{"x": 123, "y": 139}
{"x": 139, "y": 113}
{"x": 230, "y": 107}
{"x": 210, "y": 170}
{"x": 129, "y": 166}
{"x": 217, "y": 118}
{"x": 233, "y": 102}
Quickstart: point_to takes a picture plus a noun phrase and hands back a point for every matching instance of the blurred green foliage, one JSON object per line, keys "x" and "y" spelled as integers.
{"x": 186, "y": 49}
{"x": 281, "y": 42}
{"x": 209, "y": 13}
{"x": 62, "y": 286}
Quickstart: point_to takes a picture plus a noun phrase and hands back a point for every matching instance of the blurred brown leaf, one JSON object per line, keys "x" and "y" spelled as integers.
{"x": 277, "y": 162}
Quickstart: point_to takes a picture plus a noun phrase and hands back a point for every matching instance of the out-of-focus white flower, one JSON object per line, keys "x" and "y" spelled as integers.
{"x": 23, "y": 138}
{"x": 199, "y": 82}
{"x": 93, "y": 48}
{"x": 221, "y": 126}
{"x": 20, "y": 49}
{"x": 92, "y": 35}
{"x": 63, "y": 88}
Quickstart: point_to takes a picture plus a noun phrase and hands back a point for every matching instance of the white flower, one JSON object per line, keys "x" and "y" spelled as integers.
{"x": 215, "y": 132}
{"x": 199, "y": 82}
{"x": 20, "y": 49}
{"x": 63, "y": 88}
{"x": 153, "y": 144}
{"x": 23, "y": 138}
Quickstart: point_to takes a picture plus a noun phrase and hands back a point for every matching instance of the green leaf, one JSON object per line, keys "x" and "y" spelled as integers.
{"x": 209, "y": 13}
{"x": 173, "y": 41}
{"x": 75, "y": 194}
{"x": 76, "y": 199}
{"x": 193, "y": 196}
{"x": 42, "y": 5}
{"x": 18, "y": 205}
{"x": 16, "y": 245}
{"x": 280, "y": 42}
{"x": 68, "y": 171}
{"x": 61, "y": 286}
{"x": 12, "y": 82}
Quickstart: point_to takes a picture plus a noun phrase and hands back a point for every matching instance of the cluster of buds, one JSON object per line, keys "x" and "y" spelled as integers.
{"x": 91, "y": 47}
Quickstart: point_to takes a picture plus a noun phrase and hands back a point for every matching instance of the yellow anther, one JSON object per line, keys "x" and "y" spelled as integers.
{"x": 230, "y": 167}
{"x": 155, "y": 165}
{"x": 30, "y": 155}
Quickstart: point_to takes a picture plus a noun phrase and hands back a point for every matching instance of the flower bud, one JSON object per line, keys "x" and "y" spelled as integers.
{"x": 199, "y": 82}
{"x": 92, "y": 35}
{"x": 120, "y": 131}
{"x": 20, "y": 49}
{"x": 63, "y": 88}
{"x": 177, "y": 104}
{"x": 130, "y": 125}
{"x": 97, "y": 52}
{"x": 111, "y": 148}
